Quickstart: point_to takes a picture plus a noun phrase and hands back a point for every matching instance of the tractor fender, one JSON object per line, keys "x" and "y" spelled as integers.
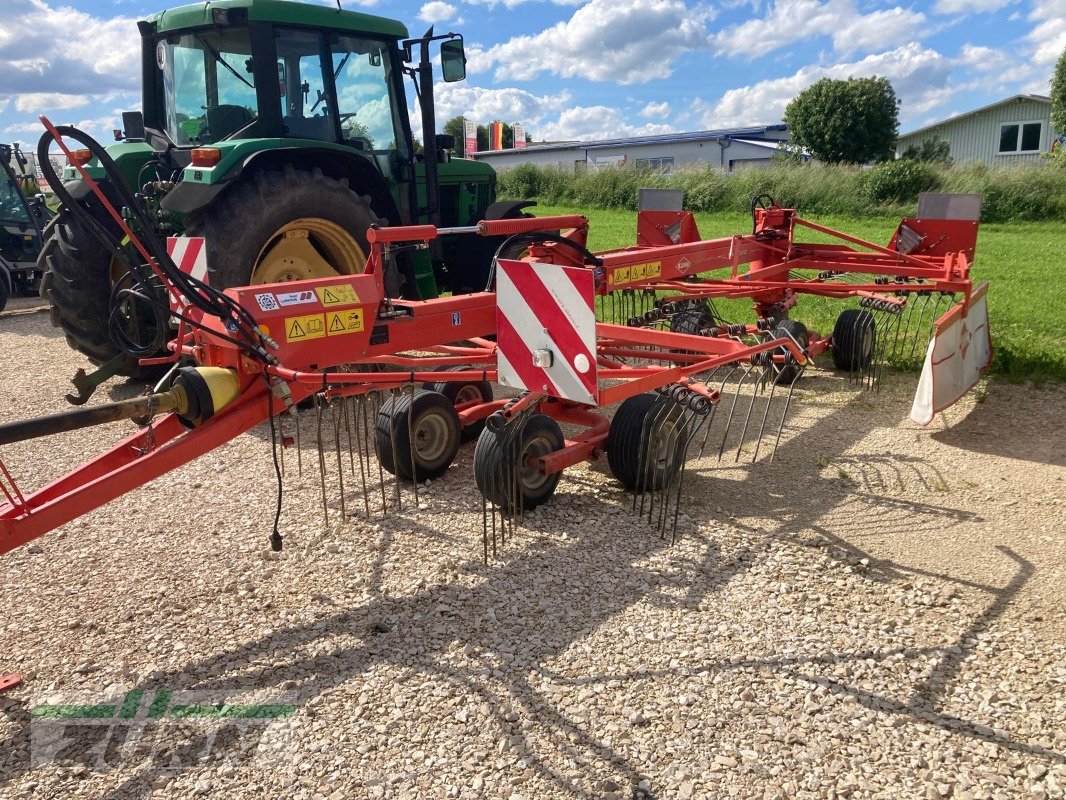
{"x": 507, "y": 209}
{"x": 360, "y": 172}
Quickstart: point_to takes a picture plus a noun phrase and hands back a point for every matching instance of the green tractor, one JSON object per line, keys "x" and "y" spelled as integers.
{"x": 23, "y": 217}
{"x": 278, "y": 131}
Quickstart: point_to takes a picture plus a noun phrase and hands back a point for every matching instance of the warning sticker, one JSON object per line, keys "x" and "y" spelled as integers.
{"x": 340, "y": 295}
{"x": 653, "y": 270}
{"x": 309, "y": 326}
{"x": 338, "y": 322}
{"x": 621, "y": 275}
{"x": 637, "y": 272}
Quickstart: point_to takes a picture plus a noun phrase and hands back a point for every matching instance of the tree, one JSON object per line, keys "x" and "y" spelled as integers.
{"x": 933, "y": 151}
{"x": 1058, "y": 105}
{"x": 849, "y": 121}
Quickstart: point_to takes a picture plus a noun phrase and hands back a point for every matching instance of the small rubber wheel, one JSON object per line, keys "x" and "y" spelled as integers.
{"x": 626, "y": 439}
{"x": 797, "y": 331}
{"x": 495, "y": 461}
{"x": 461, "y": 391}
{"x": 424, "y": 422}
{"x": 854, "y": 340}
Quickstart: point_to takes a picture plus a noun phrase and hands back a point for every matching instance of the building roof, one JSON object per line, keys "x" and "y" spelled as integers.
{"x": 1037, "y": 97}
{"x": 754, "y": 131}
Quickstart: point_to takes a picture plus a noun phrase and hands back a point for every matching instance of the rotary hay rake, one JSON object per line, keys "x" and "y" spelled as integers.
{"x": 567, "y": 329}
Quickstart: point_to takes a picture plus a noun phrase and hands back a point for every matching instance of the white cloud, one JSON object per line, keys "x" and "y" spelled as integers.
{"x": 38, "y": 102}
{"x": 984, "y": 59}
{"x": 919, "y": 76}
{"x": 436, "y": 11}
{"x": 652, "y": 110}
{"x": 514, "y": 3}
{"x": 789, "y": 21}
{"x": 596, "y": 122}
{"x": 55, "y": 51}
{"x": 1048, "y": 37}
{"x": 485, "y": 105}
{"x": 960, "y": 7}
{"x": 626, "y": 41}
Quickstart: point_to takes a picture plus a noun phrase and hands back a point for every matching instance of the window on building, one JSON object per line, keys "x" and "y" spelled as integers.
{"x": 661, "y": 165}
{"x": 1020, "y": 137}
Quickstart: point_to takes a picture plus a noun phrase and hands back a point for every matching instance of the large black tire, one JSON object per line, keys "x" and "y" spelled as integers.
{"x": 77, "y": 286}
{"x": 428, "y": 417}
{"x": 626, "y": 439}
{"x": 495, "y": 462}
{"x": 797, "y": 331}
{"x": 3, "y": 290}
{"x": 246, "y": 222}
{"x": 854, "y": 340}
{"x": 464, "y": 390}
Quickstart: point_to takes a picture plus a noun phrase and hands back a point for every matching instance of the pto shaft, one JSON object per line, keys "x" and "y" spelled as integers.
{"x": 87, "y": 417}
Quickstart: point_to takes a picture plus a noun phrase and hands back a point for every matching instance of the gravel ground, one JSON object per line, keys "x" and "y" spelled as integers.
{"x": 879, "y": 613}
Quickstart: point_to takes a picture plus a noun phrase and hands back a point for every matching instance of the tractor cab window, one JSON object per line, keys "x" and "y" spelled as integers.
{"x": 366, "y": 107}
{"x": 208, "y": 84}
{"x": 12, "y": 208}
{"x": 306, "y": 110}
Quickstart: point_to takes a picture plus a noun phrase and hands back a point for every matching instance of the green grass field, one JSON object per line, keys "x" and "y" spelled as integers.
{"x": 1022, "y": 261}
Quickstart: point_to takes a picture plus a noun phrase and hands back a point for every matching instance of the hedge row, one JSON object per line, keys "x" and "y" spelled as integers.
{"x": 1033, "y": 192}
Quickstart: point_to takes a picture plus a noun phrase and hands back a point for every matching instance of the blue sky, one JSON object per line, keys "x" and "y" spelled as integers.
{"x": 587, "y": 69}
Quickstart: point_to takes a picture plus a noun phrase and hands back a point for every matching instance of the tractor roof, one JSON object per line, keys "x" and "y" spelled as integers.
{"x": 283, "y": 11}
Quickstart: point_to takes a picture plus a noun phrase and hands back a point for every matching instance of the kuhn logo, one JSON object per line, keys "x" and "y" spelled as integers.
{"x": 296, "y": 298}
{"x": 684, "y": 265}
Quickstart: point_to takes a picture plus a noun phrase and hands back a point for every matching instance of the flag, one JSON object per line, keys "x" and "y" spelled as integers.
{"x": 469, "y": 136}
{"x": 496, "y": 136}
{"x": 519, "y": 135}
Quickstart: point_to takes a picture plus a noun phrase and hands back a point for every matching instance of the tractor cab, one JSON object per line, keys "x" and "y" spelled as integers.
{"x": 23, "y": 215}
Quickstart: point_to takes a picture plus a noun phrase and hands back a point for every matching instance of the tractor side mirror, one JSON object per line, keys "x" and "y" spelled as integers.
{"x": 133, "y": 126}
{"x": 453, "y": 60}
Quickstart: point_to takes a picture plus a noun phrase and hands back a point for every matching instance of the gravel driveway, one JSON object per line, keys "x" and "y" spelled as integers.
{"x": 879, "y": 613}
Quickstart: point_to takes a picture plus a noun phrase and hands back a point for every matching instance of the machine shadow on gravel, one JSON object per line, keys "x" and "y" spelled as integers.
{"x": 618, "y": 587}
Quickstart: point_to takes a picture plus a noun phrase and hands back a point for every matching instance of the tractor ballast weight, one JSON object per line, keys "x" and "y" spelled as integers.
{"x": 250, "y": 138}
{"x": 684, "y": 375}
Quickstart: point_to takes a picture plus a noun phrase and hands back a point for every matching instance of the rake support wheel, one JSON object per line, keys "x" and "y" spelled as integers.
{"x": 422, "y": 425}
{"x": 645, "y": 442}
{"x": 501, "y": 470}
{"x": 461, "y": 391}
{"x": 854, "y": 340}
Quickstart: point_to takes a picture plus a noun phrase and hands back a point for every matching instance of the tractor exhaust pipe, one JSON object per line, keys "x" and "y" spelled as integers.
{"x": 197, "y": 395}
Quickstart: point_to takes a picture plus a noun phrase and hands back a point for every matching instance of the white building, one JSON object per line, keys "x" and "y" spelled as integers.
{"x": 728, "y": 150}
{"x": 1012, "y": 131}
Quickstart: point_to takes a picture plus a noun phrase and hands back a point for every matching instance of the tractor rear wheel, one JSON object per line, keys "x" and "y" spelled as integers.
{"x": 78, "y": 274}
{"x": 3, "y": 291}
{"x": 287, "y": 225}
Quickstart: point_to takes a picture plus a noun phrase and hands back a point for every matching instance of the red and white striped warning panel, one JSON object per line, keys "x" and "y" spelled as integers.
{"x": 546, "y": 330}
{"x": 190, "y": 254}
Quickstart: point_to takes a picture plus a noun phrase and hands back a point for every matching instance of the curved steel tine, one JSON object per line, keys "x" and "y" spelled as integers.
{"x": 409, "y": 389}
{"x": 345, "y": 402}
{"x": 733, "y": 407}
{"x": 926, "y": 297}
{"x": 356, "y": 401}
{"x": 710, "y": 422}
{"x": 394, "y": 397}
{"x": 765, "y": 414}
{"x": 340, "y": 463}
{"x": 897, "y": 320}
{"x": 784, "y": 411}
{"x": 651, "y": 431}
{"x": 321, "y": 459}
{"x": 674, "y": 429}
{"x": 281, "y": 435}
{"x": 747, "y": 415}
{"x": 901, "y": 338}
{"x": 299, "y": 449}
{"x": 374, "y": 401}
{"x": 703, "y": 412}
